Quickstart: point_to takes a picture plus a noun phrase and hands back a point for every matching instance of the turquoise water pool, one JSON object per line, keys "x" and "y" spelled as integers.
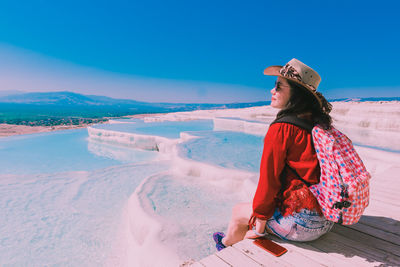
{"x": 168, "y": 129}
{"x": 59, "y": 151}
{"x": 225, "y": 149}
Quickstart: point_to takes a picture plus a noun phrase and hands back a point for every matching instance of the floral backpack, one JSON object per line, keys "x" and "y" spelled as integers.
{"x": 343, "y": 190}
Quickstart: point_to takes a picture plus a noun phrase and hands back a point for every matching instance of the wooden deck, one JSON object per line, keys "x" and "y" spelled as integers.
{"x": 374, "y": 241}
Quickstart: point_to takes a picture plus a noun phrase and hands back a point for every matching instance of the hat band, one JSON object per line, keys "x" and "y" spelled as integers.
{"x": 290, "y": 72}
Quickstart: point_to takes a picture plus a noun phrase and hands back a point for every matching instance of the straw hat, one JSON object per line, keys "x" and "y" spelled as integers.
{"x": 298, "y": 72}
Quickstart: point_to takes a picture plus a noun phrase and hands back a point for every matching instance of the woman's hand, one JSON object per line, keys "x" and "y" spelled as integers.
{"x": 251, "y": 235}
{"x": 258, "y": 231}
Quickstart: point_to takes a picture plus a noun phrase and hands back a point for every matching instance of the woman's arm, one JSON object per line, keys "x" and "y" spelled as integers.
{"x": 276, "y": 144}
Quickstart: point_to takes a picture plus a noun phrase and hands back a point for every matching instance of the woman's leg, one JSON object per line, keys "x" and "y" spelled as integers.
{"x": 238, "y": 225}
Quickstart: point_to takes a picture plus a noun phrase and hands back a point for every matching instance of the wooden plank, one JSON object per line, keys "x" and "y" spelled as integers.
{"x": 390, "y": 174}
{"x": 377, "y": 208}
{"x": 235, "y": 257}
{"x": 379, "y": 213}
{"x": 387, "y": 187}
{"x": 342, "y": 251}
{"x": 366, "y": 239}
{"x": 306, "y": 248}
{"x": 390, "y": 208}
{"x": 290, "y": 258}
{"x": 213, "y": 260}
{"x": 376, "y": 232}
{"x": 294, "y": 256}
{"x": 195, "y": 264}
{"x": 383, "y": 223}
{"x": 261, "y": 256}
{"x": 383, "y": 197}
{"x": 383, "y": 190}
{"x": 366, "y": 251}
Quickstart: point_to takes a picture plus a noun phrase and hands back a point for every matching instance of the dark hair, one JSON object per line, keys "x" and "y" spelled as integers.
{"x": 302, "y": 101}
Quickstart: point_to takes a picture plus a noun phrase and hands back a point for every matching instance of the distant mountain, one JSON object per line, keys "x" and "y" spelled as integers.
{"x": 365, "y": 99}
{"x": 10, "y": 92}
{"x": 73, "y": 99}
{"x": 64, "y": 98}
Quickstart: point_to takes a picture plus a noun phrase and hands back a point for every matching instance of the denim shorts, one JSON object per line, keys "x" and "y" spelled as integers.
{"x": 303, "y": 226}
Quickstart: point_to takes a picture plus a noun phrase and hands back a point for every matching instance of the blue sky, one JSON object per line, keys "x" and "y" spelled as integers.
{"x": 197, "y": 51}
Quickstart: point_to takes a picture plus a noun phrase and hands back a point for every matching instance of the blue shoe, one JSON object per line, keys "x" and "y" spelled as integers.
{"x": 217, "y": 236}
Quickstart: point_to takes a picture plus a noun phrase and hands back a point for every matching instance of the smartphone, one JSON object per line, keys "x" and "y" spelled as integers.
{"x": 270, "y": 246}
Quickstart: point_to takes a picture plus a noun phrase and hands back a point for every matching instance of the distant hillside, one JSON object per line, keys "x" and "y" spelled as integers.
{"x": 10, "y": 92}
{"x": 52, "y": 108}
{"x": 71, "y": 99}
{"x": 365, "y": 99}
{"x": 64, "y": 98}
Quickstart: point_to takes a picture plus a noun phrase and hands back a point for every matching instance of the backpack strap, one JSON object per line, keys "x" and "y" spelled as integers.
{"x": 294, "y": 120}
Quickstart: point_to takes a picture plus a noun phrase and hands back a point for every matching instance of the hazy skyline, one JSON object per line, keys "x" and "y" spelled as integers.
{"x": 181, "y": 51}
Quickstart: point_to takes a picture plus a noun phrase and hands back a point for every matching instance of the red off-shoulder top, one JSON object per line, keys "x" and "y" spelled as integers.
{"x": 278, "y": 186}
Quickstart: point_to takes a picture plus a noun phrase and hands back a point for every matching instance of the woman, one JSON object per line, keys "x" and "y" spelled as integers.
{"x": 283, "y": 205}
